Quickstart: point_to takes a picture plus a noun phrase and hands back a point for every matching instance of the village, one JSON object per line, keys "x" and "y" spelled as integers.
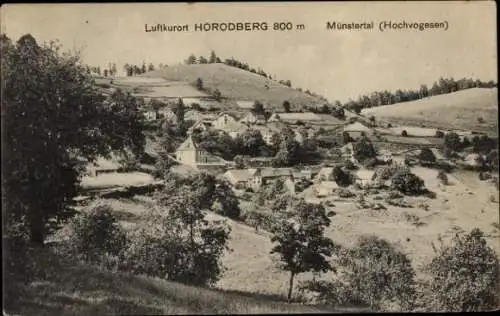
{"x": 158, "y": 176}
{"x": 332, "y": 136}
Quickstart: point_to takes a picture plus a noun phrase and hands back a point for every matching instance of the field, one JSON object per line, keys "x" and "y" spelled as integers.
{"x": 472, "y": 109}
{"x": 151, "y": 87}
{"x": 235, "y": 83}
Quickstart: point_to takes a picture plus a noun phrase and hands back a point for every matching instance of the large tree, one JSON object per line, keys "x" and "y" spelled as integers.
{"x": 54, "y": 114}
{"x": 300, "y": 242}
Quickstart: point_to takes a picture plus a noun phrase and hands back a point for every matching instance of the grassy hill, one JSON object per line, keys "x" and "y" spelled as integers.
{"x": 66, "y": 289}
{"x": 235, "y": 83}
{"x": 471, "y": 109}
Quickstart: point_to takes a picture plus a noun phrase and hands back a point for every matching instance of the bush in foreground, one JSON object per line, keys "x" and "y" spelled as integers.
{"x": 464, "y": 275}
{"x": 96, "y": 237}
{"x": 375, "y": 274}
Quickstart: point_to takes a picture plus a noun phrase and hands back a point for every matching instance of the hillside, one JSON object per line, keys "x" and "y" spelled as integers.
{"x": 84, "y": 290}
{"x": 235, "y": 83}
{"x": 472, "y": 109}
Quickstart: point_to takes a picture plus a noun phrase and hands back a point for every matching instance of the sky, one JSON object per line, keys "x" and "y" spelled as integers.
{"x": 338, "y": 64}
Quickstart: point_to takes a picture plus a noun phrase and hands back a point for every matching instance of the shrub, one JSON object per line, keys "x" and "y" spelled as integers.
{"x": 426, "y": 155}
{"x": 408, "y": 183}
{"x": 464, "y": 275}
{"x": 342, "y": 178}
{"x": 345, "y": 193}
{"x": 442, "y": 177}
{"x": 349, "y": 165}
{"x": 439, "y": 134}
{"x": 375, "y": 273}
{"x": 96, "y": 236}
{"x": 364, "y": 149}
{"x": 404, "y": 133}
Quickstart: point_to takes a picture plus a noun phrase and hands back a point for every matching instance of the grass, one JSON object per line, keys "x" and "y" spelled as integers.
{"x": 68, "y": 289}
{"x": 235, "y": 84}
{"x": 462, "y": 110}
{"x": 109, "y": 180}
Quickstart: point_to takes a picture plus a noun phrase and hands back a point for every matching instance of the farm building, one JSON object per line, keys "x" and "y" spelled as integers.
{"x": 252, "y": 118}
{"x": 365, "y": 177}
{"x": 239, "y": 178}
{"x": 255, "y": 178}
{"x": 188, "y": 153}
{"x": 223, "y": 120}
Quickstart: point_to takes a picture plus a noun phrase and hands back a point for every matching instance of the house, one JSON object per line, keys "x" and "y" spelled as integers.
{"x": 193, "y": 115}
{"x": 234, "y": 129}
{"x": 289, "y": 184}
{"x": 255, "y": 178}
{"x": 267, "y": 132}
{"x": 365, "y": 177}
{"x": 190, "y": 154}
{"x": 357, "y": 130}
{"x": 150, "y": 115}
{"x": 325, "y": 174}
{"x": 347, "y": 152}
{"x": 253, "y": 118}
{"x": 325, "y": 188}
{"x": 223, "y": 120}
{"x": 264, "y": 176}
{"x": 302, "y": 174}
{"x": 239, "y": 178}
{"x": 201, "y": 125}
{"x": 168, "y": 114}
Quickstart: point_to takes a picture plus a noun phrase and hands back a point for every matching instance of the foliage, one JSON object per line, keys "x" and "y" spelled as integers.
{"x": 407, "y": 183}
{"x": 464, "y": 275}
{"x": 426, "y": 155}
{"x": 452, "y": 142}
{"x": 442, "y": 177}
{"x": 216, "y": 142}
{"x": 227, "y": 203}
{"x": 441, "y": 86}
{"x": 286, "y": 106}
{"x": 341, "y": 177}
{"x": 55, "y": 115}
{"x": 217, "y": 95}
{"x": 250, "y": 142}
{"x": 300, "y": 241}
{"x": 180, "y": 111}
{"x": 199, "y": 84}
{"x": 185, "y": 246}
{"x": 97, "y": 234}
{"x": 349, "y": 165}
{"x": 258, "y": 108}
{"x": 377, "y": 273}
{"x": 363, "y": 149}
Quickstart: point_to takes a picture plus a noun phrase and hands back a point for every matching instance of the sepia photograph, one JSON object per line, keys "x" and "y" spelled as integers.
{"x": 249, "y": 158}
